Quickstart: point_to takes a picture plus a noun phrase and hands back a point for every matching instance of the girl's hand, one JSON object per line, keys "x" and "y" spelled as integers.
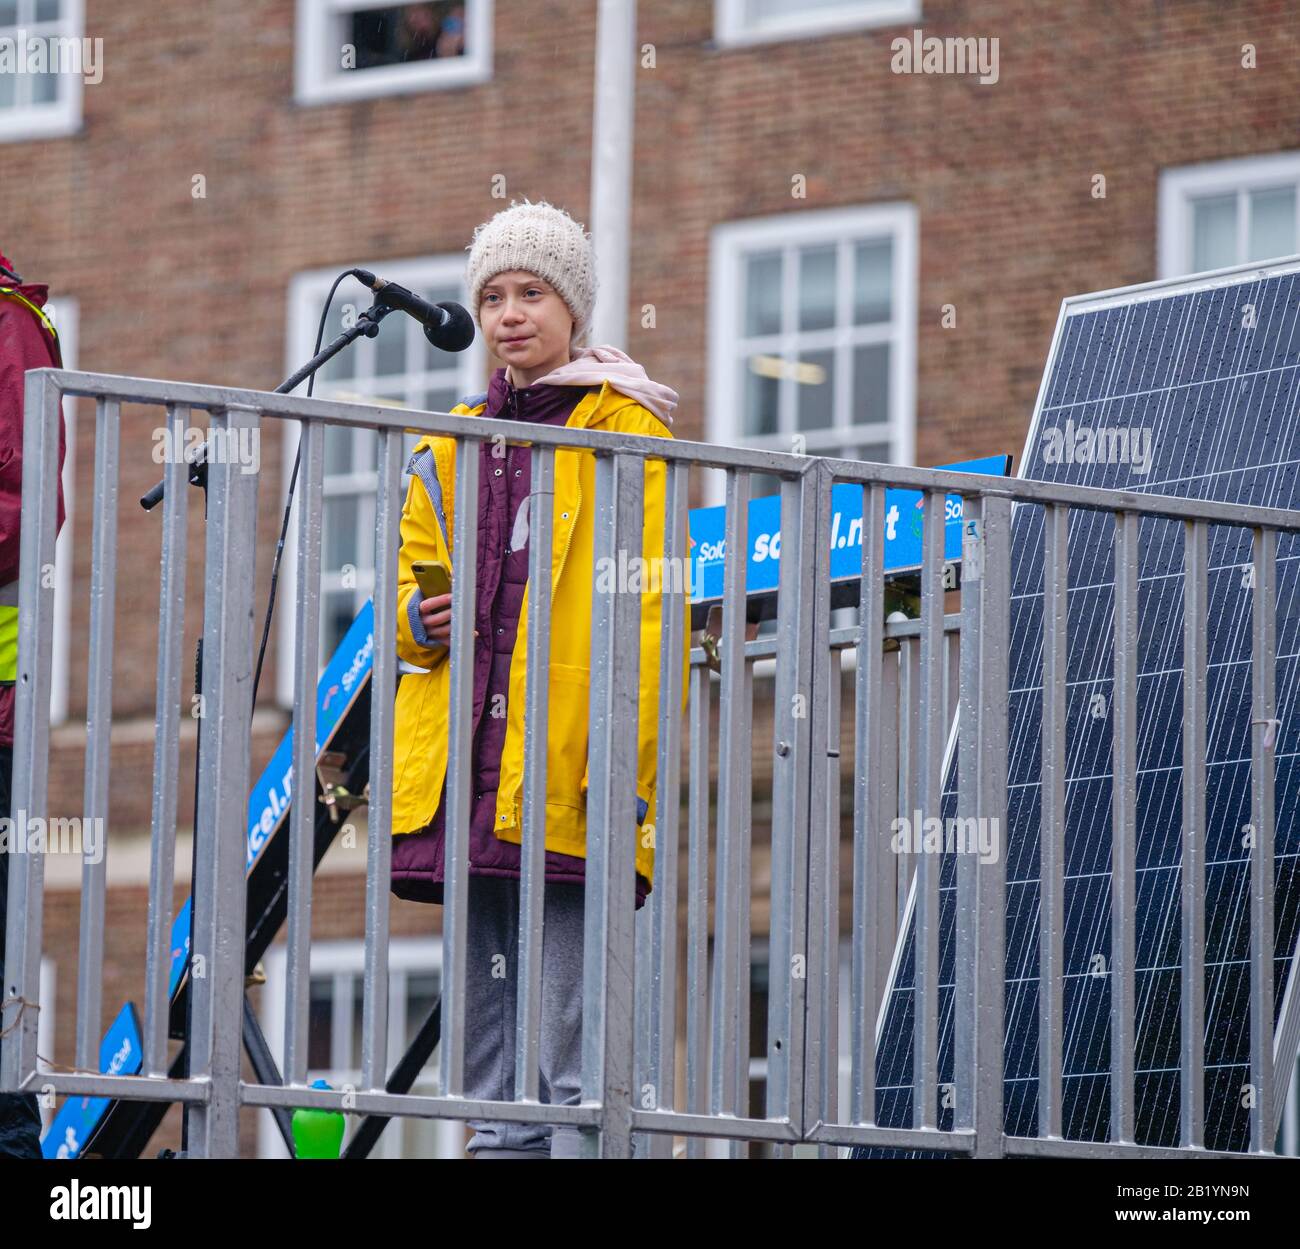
{"x": 435, "y": 616}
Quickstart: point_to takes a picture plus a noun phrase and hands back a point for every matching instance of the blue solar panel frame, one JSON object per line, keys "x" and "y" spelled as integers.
{"x": 1178, "y": 358}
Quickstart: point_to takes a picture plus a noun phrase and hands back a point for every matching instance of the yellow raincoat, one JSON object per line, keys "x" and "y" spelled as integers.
{"x": 421, "y": 714}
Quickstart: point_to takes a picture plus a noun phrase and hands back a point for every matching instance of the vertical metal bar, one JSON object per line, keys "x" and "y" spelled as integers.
{"x": 871, "y": 926}
{"x": 607, "y": 1051}
{"x": 967, "y": 974}
{"x": 221, "y": 836}
{"x": 829, "y": 972}
{"x": 930, "y": 783}
{"x": 745, "y": 727}
{"x": 532, "y": 852}
{"x": 1263, "y": 742}
{"x": 162, "y": 837}
{"x": 952, "y": 674}
{"x": 42, "y": 418}
{"x": 791, "y": 780}
{"x": 810, "y": 881}
{"x": 892, "y": 898}
{"x": 663, "y": 898}
{"x": 697, "y": 902}
{"x": 1051, "y": 911}
{"x": 725, "y": 1066}
{"x": 991, "y": 734}
{"x": 379, "y": 811}
{"x": 909, "y": 713}
{"x": 1195, "y": 653}
{"x": 302, "y": 813}
{"x": 460, "y": 763}
{"x": 99, "y": 731}
{"x": 1123, "y": 826}
{"x": 644, "y": 983}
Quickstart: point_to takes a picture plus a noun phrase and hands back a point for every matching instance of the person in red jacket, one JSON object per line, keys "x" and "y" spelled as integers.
{"x": 27, "y": 341}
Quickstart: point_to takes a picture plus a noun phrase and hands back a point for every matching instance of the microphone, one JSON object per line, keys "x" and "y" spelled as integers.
{"x": 447, "y": 325}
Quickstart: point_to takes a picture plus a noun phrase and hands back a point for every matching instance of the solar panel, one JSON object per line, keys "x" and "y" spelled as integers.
{"x": 1203, "y": 376}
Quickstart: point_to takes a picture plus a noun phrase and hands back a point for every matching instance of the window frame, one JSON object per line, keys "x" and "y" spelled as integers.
{"x": 63, "y": 116}
{"x": 732, "y": 242}
{"x": 731, "y": 30}
{"x": 307, "y": 291}
{"x": 344, "y": 960}
{"x": 1181, "y": 185}
{"x": 314, "y": 85}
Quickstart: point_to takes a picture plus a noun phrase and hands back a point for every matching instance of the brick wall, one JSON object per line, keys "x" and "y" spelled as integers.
{"x": 174, "y": 286}
{"x": 194, "y": 289}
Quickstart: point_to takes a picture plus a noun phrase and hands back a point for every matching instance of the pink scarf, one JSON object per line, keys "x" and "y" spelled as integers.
{"x": 591, "y": 366}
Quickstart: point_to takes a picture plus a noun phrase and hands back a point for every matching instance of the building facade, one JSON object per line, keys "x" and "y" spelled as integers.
{"x": 853, "y": 222}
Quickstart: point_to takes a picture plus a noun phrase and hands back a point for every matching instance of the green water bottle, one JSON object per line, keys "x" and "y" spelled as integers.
{"x": 317, "y": 1133}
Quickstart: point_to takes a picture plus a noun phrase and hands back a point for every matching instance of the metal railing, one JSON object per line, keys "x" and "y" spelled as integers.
{"x": 637, "y": 981}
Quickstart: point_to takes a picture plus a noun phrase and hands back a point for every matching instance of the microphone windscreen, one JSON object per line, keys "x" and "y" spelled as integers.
{"x": 457, "y": 333}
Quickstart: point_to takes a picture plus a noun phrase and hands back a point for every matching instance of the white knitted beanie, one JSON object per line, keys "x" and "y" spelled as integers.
{"x": 540, "y": 239}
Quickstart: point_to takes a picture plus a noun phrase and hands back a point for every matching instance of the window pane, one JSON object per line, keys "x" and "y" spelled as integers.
{"x": 338, "y": 450}
{"x": 761, "y": 485}
{"x": 358, "y": 1004}
{"x": 44, "y": 87}
{"x": 431, "y": 359}
{"x": 758, "y": 385}
{"x": 320, "y": 1025}
{"x": 1272, "y": 223}
{"x": 340, "y": 531}
{"x": 871, "y": 282}
{"x": 763, "y": 294}
{"x": 422, "y": 991}
{"x": 338, "y": 610}
{"x": 408, "y": 32}
{"x": 369, "y": 457}
{"x": 814, "y": 389}
{"x": 47, "y": 10}
{"x": 870, "y": 384}
{"x": 390, "y": 345}
{"x": 439, "y": 400}
{"x": 1214, "y": 232}
{"x": 817, "y": 288}
{"x": 8, "y": 12}
{"x": 873, "y": 453}
{"x": 8, "y": 90}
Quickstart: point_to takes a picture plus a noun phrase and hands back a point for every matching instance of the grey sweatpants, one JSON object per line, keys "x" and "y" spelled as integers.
{"x": 491, "y": 977}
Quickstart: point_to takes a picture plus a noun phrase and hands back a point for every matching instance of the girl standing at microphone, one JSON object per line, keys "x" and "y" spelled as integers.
{"x": 531, "y": 280}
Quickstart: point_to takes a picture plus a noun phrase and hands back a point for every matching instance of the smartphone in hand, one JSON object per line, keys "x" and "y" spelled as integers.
{"x": 432, "y": 576}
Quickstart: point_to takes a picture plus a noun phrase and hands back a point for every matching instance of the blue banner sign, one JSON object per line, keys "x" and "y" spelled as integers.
{"x": 120, "y": 1054}
{"x": 902, "y": 520}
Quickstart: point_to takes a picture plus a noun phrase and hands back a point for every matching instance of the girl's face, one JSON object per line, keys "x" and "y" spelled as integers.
{"x": 526, "y": 323}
